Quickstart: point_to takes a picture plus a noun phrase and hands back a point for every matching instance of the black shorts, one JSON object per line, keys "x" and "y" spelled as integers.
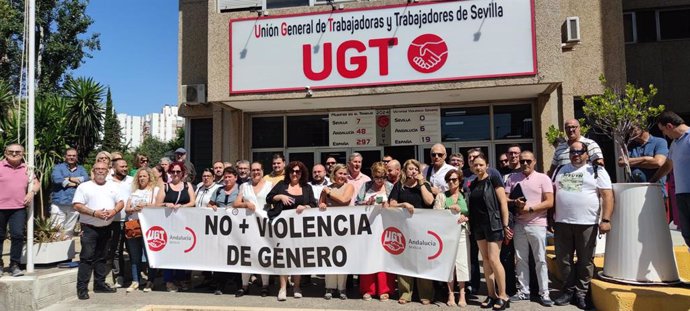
{"x": 484, "y": 232}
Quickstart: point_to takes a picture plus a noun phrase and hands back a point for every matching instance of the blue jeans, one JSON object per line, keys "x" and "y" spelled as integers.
{"x": 16, "y": 218}
{"x": 136, "y": 251}
{"x": 683, "y": 202}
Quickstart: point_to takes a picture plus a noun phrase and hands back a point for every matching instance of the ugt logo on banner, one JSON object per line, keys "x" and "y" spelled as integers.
{"x": 156, "y": 238}
{"x": 427, "y": 53}
{"x": 393, "y": 241}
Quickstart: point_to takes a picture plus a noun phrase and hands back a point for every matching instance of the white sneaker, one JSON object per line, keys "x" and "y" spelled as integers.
{"x": 133, "y": 287}
{"x": 118, "y": 282}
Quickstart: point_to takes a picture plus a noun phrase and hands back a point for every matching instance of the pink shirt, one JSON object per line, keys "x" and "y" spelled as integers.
{"x": 357, "y": 183}
{"x": 533, "y": 186}
{"x": 14, "y": 184}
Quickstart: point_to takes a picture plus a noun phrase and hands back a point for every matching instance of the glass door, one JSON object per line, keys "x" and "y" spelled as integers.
{"x": 462, "y": 148}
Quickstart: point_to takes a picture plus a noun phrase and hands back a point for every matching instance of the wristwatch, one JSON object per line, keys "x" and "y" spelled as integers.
{"x": 604, "y": 220}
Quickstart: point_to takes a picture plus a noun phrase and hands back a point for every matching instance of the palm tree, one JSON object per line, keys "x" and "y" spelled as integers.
{"x": 85, "y": 112}
{"x": 6, "y": 97}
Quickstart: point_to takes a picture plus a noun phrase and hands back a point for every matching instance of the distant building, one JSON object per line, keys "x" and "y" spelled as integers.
{"x": 162, "y": 126}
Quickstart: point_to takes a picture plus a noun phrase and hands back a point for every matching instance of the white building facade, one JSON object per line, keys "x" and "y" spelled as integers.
{"x": 162, "y": 126}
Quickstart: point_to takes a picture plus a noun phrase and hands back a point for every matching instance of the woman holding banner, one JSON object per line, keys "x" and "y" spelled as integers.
{"x": 292, "y": 192}
{"x": 489, "y": 223}
{"x": 373, "y": 192}
{"x": 252, "y": 196}
{"x": 176, "y": 194}
{"x": 454, "y": 200}
{"x": 411, "y": 192}
{"x": 144, "y": 191}
{"x": 338, "y": 193}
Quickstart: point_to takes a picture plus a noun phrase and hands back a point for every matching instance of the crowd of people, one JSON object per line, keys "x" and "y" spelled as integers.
{"x": 504, "y": 213}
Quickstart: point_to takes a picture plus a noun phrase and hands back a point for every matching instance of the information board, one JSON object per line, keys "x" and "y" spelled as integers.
{"x": 415, "y": 125}
{"x": 352, "y": 128}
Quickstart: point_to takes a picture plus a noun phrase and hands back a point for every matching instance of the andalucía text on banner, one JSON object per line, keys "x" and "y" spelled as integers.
{"x": 340, "y": 240}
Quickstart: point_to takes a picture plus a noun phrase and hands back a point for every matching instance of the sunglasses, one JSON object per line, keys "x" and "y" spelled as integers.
{"x": 144, "y": 161}
{"x": 526, "y": 162}
{"x": 386, "y": 161}
{"x": 175, "y": 172}
{"x": 296, "y": 172}
{"x": 330, "y": 163}
{"x": 437, "y": 155}
{"x": 453, "y": 180}
{"x": 577, "y": 151}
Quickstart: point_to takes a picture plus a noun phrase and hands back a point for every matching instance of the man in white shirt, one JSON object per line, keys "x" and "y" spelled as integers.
{"x": 578, "y": 187}
{"x": 97, "y": 202}
{"x": 435, "y": 173}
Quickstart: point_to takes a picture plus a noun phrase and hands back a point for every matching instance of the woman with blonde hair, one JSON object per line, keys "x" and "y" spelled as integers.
{"x": 338, "y": 193}
{"x": 144, "y": 192}
{"x": 373, "y": 192}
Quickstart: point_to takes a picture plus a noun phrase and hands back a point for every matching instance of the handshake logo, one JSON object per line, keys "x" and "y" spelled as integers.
{"x": 427, "y": 53}
{"x": 393, "y": 241}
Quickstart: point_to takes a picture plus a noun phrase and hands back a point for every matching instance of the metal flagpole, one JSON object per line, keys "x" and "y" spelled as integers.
{"x": 30, "y": 137}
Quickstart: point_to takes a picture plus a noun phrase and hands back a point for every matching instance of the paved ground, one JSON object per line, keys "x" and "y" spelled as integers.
{"x": 313, "y": 300}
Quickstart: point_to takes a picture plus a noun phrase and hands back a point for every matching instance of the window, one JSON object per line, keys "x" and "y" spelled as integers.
{"x": 267, "y": 132}
{"x": 201, "y": 144}
{"x": 307, "y": 131}
{"x": 465, "y": 124}
{"x": 674, "y": 24}
{"x": 513, "y": 122}
{"x": 645, "y": 26}
{"x": 629, "y": 27}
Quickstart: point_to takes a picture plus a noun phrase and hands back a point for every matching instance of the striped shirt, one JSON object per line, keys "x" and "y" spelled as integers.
{"x": 562, "y": 154}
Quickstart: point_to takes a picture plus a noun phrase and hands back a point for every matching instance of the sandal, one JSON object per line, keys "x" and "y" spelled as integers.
{"x": 384, "y": 297}
{"x": 366, "y": 297}
{"x": 500, "y": 304}
{"x": 487, "y": 303}
{"x": 403, "y": 301}
{"x": 425, "y": 301}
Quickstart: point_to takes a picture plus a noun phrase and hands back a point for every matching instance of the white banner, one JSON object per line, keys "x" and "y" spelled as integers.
{"x": 341, "y": 240}
{"x": 407, "y": 43}
{"x": 352, "y": 128}
{"x": 415, "y": 126}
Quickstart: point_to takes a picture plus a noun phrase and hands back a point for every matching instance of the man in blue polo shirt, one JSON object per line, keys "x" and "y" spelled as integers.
{"x": 646, "y": 154}
{"x": 66, "y": 177}
{"x": 674, "y": 127}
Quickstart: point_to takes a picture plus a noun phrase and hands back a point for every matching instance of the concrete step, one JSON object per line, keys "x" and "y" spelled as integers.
{"x": 623, "y": 297}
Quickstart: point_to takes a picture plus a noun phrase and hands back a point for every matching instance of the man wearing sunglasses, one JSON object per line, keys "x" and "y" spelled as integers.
{"x": 561, "y": 156}
{"x": 14, "y": 197}
{"x": 578, "y": 188}
{"x": 535, "y": 198}
{"x": 436, "y": 172}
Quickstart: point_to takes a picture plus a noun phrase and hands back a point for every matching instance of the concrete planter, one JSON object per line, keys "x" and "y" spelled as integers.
{"x": 639, "y": 249}
{"x": 45, "y": 253}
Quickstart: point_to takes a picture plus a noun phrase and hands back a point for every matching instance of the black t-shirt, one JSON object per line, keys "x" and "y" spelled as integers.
{"x": 403, "y": 194}
{"x": 478, "y": 207}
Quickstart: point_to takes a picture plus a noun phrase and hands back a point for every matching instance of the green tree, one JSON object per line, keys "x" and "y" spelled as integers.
{"x": 85, "y": 113}
{"x": 112, "y": 132}
{"x": 61, "y": 40}
{"x": 616, "y": 112}
{"x": 178, "y": 142}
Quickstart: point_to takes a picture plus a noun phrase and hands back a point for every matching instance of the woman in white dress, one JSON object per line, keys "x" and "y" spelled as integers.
{"x": 252, "y": 196}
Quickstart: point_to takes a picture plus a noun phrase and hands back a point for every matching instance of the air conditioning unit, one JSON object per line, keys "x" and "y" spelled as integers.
{"x": 194, "y": 94}
{"x": 571, "y": 30}
{"x": 238, "y": 5}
